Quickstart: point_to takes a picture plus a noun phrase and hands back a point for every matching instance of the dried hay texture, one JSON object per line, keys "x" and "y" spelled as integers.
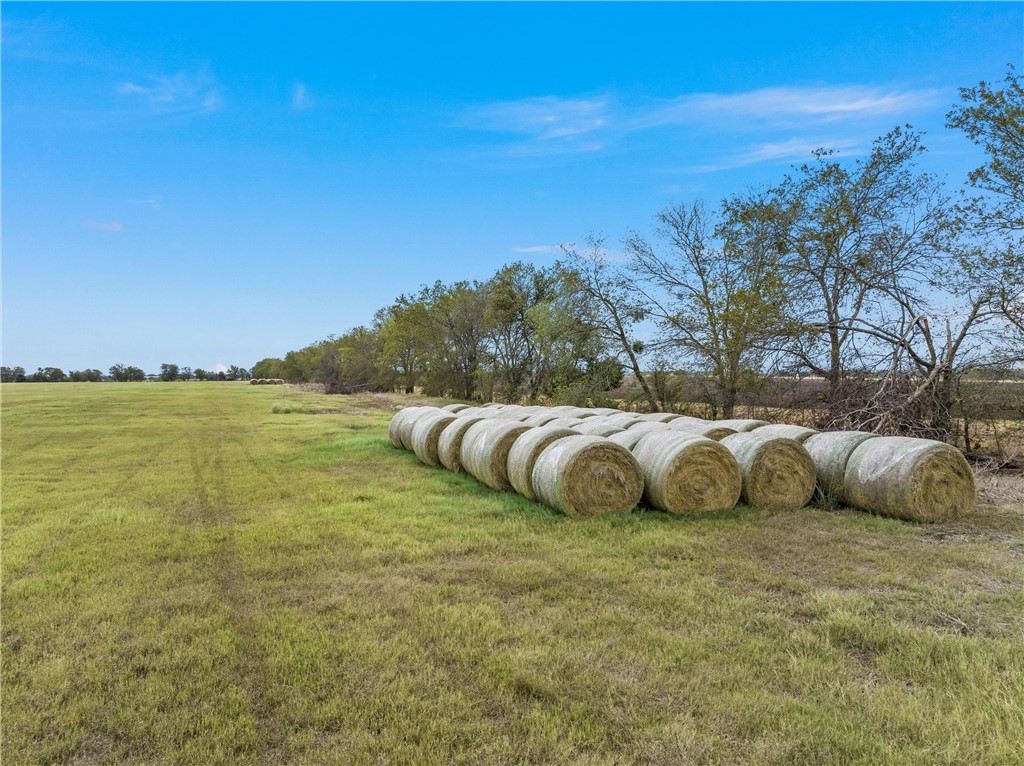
{"x": 425, "y": 434}
{"x": 687, "y": 473}
{"x": 541, "y": 418}
{"x": 449, "y": 443}
{"x": 596, "y": 428}
{"x": 587, "y": 475}
{"x": 524, "y": 453}
{"x": 831, "y": 452}
{"x": 405, "y": 429}
{"x": 660, "y": 417}
{"x": 256, "y": 382}
{"x": 628, "y": 439}
{"x": 708, "y": 430}
{"x": 796, "y": 433}
{"x": 740, "y": 425}
{"x": 455, "y": 407}
{"x": 394, "y": 427}
{"x": 485, "y": 448}
{"x": 278, "y": 382}
{"x": 777, "y": 472}
{"x": 913, "y": 479}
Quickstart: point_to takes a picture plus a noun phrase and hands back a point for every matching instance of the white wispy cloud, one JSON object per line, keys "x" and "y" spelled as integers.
{"x": 548, "y": 249}
{"x": 110, "y": 227}
{"x": 793, "y": 149}
{"x": 180, "y": 93}
{"x": 548, "y": 124}
{"x": 300, "y": 99}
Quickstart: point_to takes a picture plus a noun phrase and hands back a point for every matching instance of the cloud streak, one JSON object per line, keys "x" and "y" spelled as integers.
{"x": 110, "y": 227}
{"x": 546, "y": 249}
{"x": 300, "y": 99}
{"x": 181, "y": 93}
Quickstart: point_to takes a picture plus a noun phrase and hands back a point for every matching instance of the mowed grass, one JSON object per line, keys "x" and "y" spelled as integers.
{"x": 213, "y": 573}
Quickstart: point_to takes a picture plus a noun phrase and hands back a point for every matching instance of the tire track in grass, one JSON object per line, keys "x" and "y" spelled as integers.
{"x": 228, "y": 573}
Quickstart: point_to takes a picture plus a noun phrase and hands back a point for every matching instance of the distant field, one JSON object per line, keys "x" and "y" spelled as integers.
{"x": 203, "y": 573}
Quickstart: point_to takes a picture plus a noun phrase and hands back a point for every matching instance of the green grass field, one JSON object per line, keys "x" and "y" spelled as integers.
{"x": 213, "y": 573}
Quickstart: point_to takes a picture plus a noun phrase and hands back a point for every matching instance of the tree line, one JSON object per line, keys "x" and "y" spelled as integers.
{"x": 875, "y": 289}
{"x": 119, "y": 373}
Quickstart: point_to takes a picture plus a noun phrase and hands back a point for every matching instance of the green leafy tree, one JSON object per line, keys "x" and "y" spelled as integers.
{"x": 12, "y": 374}
{"x": 201, "y": 374}
{"x": 168, "y": 372}
{"x": 268, "y": 368}
{"x": 405, "y": 342}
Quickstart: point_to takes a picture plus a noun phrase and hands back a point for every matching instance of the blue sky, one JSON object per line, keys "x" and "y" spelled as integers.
{"x": 204, "y": 184}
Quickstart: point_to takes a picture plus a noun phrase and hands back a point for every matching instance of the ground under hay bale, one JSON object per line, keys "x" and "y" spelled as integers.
{"x": 425, "y": 434}
{"x": 587, "y": 475}
{"x": 449, "y": 443}
{"x": 485, "y": 448}
{"x": 687, "y": 473}
{"x": 708, "y": 430}
{"x": 524, "y": 453}
{"x": 589, "y": 426}
{"x": 740, "y": 425}
{"x": 913, "y": 479}
{"x": 455, "y": 407}
{"x": 797, "y": 433}
{"x": 830, "y": 451}
{"x": 778, "y": 473}
{"x": 394, "y": 427}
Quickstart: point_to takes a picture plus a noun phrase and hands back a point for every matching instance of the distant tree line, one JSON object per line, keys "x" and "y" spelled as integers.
{"x": 884, "y": 296}
{"x": 119, "y": 373}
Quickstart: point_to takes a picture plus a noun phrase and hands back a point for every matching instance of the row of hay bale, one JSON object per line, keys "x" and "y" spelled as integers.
{"x": 595, "y": 460}
{"x": 266, "y": 382}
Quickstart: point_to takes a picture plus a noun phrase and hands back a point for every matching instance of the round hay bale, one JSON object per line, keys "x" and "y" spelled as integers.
{"x": 711, "y": 431}
{"x": 797, "y": 433}
{"x": 740, "y": 425}
{"x": 689, "y": 419}
{"x": 425, "y": 433}
{"x": 913, "y": 479}
{"x": 483, "y": 412}
{"x": 449, "y": 443}
{"x": 278, "y": 382}
{"x": 628, "y": 439}
{"x": 587, "y": 475}
{"x": 254, "y": 382}
{"x": 597, "y": 429}
{"x": 580, "y": 412}
{"x": 830, "y": 452}
{"x": 394, "y": 427}
{"x": 687, "y": 473}
{"x": 406, "y": 426}
{"x": 524, "y": 453}
{"x": 606, "y": 411}
{"x": 660, "y": 417}
{"x": 517, "y": 415}
{"x": 485, "y": 448}
{"x": 623, "y": 419}
{"x": 777, "y": 472}
{"x": 455, "y": 407}
{"x": 564, "y": 422}
{"x": 541, "y": 418}
{"x": 644, "y": 426}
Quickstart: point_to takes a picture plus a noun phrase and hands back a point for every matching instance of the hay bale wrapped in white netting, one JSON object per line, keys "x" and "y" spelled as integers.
{"x": 660, "y": 417}
{"x": 797, "y": 433}
{"x": 740, "y": 425}
{"x": 830, "y": 452}
{"x": 255, "y": 381}
{"x": 597, "y": 428}
{"x": 708, "y": 430}
{"x": 623, "y": 419}
{"x": 686, "y": 473}
{"x": 564, "y": 422}
{"x": 403, "y": 415}
{"x": 426, "y": 432}
{"x": 279, "y": 382}
{"x": 541, "y": 418}
{"x": 605, "y": 410}
{"x": 587, "y": 475}
{"x": 524, "y": 453}
{"x": 455, "y": 407}
{"x": 643, "y": 426}
{"x": 683, "y": 419}
{"x": 628, "y": 438}
{"x": 485, "y": 448}
{"x": 483, "y": 412}
{"x": 405, "y": 429}
{"x": 449, "y": 443}
{"x": 913, "y": 479}
{"x": 777, "y": 472}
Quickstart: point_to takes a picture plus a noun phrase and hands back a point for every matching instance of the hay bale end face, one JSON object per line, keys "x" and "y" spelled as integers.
{"x": 395, "y": 426}
{"x": 409, "y": 422}
{"x": 830, "y": 451}
{"x": 912, "y": 479}
{"x": 449, "y": 443}
{"x": 687, "y": 473}
{"x": 524, "y": 453}
{"x": 425, "y": 434}
{"x": 778, "y": 474}
{"x": 485, "y": 448}
{"x": 587, "y": 475}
